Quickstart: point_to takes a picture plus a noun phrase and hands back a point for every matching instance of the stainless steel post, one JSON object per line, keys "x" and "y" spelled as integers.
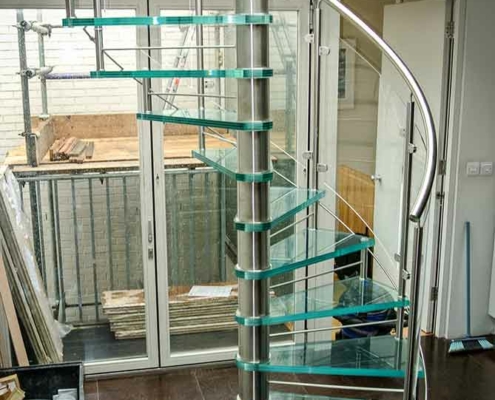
{"x": 100, "y": 58}
{"x": 253, "y": 203}
{"x": 200, "y": 66}
{"x": 41, "y": 55}
{"x": 70, "y": 8}
{"x": 146, "y": 95}
{"x": 411, "y": 378}
{"x": 315, "y": 105}
{"x": 406, "y": 205}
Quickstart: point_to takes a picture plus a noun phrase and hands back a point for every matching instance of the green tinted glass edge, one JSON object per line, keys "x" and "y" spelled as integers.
{"x": 269, "y": 273}
{"x": 241, "y": 73}
{"x": 241, "y": 177}
{"x": 335, "y": 312}
{"x": 384, "y": 373}
{"x": 236, "y": 125}
{"x": 233, "y": 19}
{"x": 264, "y": 226}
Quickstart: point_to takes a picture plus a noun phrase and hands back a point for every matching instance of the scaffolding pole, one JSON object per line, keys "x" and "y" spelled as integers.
{"x": 41, "y": 55}
{"x": 253, "y": 204}
{"x": 30, "y": 138}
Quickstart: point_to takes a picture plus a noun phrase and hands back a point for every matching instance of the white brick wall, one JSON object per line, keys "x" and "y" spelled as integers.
{"x": 69, "y": 50}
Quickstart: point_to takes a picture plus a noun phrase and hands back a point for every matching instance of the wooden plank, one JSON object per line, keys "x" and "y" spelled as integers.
{"x": 5, "y": 345}
{"x": 68, "y": 145}
{"x": 13, "y": 322}
{"x": 45, "y": 136}
{"x": 358, "y": 190}
{"x": 90, "y": 149}
{"x": 78, "y": 148}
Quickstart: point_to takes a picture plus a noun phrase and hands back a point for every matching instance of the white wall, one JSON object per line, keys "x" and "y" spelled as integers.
{"x": 470, "y": 198}
{"x": 423, "y": 54}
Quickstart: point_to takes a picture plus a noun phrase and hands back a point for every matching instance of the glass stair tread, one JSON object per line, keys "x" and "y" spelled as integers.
{"x": 225, "y": 161}
{"x": 296, "y": 396}
{"x": 290, "y": 253}
{"x": 228, "y": 19}
{"x": 186, "y": 73}
{"x": 344, "y": 297}
{"x": 285, "y": 202}
{"x": 211, "y": 118}
{"x": 374, "y": 356}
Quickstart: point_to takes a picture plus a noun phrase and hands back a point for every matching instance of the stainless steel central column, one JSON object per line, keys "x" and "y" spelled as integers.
{"x": 100, "y": 59}
{"x": 253, "y": 203}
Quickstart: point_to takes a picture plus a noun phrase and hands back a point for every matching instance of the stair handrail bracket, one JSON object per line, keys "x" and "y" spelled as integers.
{"x": 425, "y": 190}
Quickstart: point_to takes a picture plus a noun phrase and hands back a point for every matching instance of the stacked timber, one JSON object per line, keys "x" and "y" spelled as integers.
{"x": 23, "y": 275}
{"x": 71, "y": 149}
{"x": 125, "y": 310}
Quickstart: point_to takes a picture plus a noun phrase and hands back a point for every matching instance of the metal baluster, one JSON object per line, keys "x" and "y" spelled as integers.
{"x": 54, "y": 239}
{"x": 405, "y": 209}
{"x": 223, "y": 233}
{"x": 411, "y": 379}
{"x": 127, "y": 235}
{"x": 76, "y": 250}
{"x": 109, "y": 232}
{"x": 41, "y": 235}
{"x": 192, "y": 236}
{"x": 174, "y": 217}
{"x": 93, "y": 249}
{"x": 207, "y": 246}
{"x": 62, "y": 316}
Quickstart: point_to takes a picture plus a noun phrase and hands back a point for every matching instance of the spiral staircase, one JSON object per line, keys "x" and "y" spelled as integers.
{"x": 262, "y": 207}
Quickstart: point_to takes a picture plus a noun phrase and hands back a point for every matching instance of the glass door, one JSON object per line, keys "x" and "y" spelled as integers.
{"x": 92, "y": 219}
{"x": 196, "y": 204}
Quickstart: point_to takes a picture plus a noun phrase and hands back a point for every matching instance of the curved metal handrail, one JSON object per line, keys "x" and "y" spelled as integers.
{"x": 431, "y": 157}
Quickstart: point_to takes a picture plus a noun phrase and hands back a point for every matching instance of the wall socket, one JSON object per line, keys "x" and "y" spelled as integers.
{"x": 475, "y": 168}
{"x": 486, "y": 168}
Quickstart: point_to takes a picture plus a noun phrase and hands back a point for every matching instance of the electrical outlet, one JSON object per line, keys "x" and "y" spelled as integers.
{"x": 486, "y": 168}
{"x": 473, "y": 168}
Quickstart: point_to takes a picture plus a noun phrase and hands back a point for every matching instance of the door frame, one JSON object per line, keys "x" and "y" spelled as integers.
{"x": 167, "y": 359}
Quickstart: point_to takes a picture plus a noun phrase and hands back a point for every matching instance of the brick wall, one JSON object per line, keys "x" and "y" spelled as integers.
{"x": 70, "y": 51}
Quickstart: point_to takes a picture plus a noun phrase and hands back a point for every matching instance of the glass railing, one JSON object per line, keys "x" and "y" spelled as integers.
{"x": 225, "y": 161}
{"x": 346, "y": 297}
{"x": 308, "y": 247}
{"x": 285, "y": 202}
{"x": 375, "y": 356}
{"x": 207, "y": 118}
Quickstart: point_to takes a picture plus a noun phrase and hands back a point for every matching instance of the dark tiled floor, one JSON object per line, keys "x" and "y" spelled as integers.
{"x": 98, "y": 343}
{"x": 450, "y": 377}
